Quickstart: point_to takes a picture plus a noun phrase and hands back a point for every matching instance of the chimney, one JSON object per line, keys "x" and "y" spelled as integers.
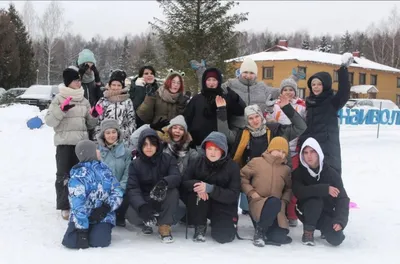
{"x": 356, "y": 54}
{"x": 283, "y": 42}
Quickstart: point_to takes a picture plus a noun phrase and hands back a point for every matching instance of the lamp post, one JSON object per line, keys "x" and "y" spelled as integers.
{"x": 37, "y": 76}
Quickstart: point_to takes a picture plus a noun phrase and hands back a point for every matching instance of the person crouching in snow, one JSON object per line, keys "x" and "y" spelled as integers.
{"x": 152, "y": 187}
{"x": 212, "y": 184}
{"x": 117, "y": 157}
{"x": 94, "y": 195}
{"x": 267, "y": 184}
{"x": 322, "y": 201}
{"x": 69, "y": 115}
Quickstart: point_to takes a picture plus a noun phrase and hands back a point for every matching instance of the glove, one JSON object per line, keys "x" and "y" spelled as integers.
{"x": 159, "y": 125}
{"x": 65, "y": 106}
{"x": 159, "y": 191}
{"x": 99, "y": 213}
{"x": 146, "y": 213}
{"x": 83, "y": 68}
{"x": 270, "y": 104}
{"x": 96, "y": 73}
{"x": 96, "y": 110}
{"x": 347, "y": 59}
{"x": 82, "y": 238}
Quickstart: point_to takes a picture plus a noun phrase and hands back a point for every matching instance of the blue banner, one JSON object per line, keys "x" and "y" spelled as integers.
{"x": 369, "y": 117}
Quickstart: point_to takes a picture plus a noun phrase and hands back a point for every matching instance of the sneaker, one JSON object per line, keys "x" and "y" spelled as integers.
{"x": 308, "y": 238}
{"x": 258, "y": 239}
{"x": 165, "y": 233}
{"x": 147, "y": 230}
{"x": 293, "y": 222}
{"x": 65, "y": 214}
{"x": 200, "y": 233}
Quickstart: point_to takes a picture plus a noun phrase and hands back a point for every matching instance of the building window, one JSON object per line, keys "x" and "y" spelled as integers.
{"x": 374, "y": 79}
{"x": 302, "y": 93}
{"x": 335, "y": 76}
{"x": 351, "y": 77}
{"x": 268, "y": 73}
{"x": 398, "y": 99}
{"x": 398, "y": 82}
{"x": 363, "y": 79}
{"x": 302, "y": 72}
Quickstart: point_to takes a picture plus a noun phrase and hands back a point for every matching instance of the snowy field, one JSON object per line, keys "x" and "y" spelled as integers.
{"x": 31, "y": 229}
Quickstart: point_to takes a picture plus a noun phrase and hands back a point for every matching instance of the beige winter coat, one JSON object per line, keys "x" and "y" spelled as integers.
{"x": 269, "y": 177}
{"x": 72, "y": 126}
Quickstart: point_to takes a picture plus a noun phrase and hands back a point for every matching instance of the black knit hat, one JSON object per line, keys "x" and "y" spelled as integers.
{"x": 118, "y": 75}
{"x": 70, "y": 74}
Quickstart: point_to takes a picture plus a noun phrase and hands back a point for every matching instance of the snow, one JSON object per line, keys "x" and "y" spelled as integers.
{"x": 364, "y": 89}
{"x": 287, "y": 53}
{"x": 31, "y": 229}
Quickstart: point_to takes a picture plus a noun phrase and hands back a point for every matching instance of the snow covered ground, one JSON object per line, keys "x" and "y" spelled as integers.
{"x": 31, "y": 229}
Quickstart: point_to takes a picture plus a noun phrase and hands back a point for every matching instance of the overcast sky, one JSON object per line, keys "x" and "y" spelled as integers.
{"x": 118, "y": 18}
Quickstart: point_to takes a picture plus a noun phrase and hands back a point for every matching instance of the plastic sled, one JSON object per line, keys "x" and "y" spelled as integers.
{"x": 34, "y": 123}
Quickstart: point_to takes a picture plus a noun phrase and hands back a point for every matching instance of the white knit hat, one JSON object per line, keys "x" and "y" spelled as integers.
{"x": 178, "y": 120}
{"x": 249, "y": 65}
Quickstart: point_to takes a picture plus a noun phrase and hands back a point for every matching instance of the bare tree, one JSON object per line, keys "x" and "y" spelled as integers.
{"x": 29, "y": 18}
{"x": 52, "y": 28}
{"x": 393, "y": 28}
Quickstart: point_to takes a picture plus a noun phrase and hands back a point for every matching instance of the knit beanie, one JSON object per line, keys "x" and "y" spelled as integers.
{"x": 107, "y": 124}
{"x": 290, "y": 82}
{"x": 118, "y": 75}
{"x": 252, "y": 109}
{"x": 70, "y": 74}
{"x": 86, "y": 55}
{"x": 249, "y": 65}
{"x": 212, "y": 74}
{"x": 178, "y": 120}
{"x": 85, "y": 150}
{"x": 278, "y": 143}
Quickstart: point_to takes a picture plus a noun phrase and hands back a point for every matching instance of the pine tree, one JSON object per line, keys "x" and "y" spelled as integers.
{"x": 27, "y": 74}
{"x": 124, "y": 62}
{"x": 346, "y": 44}
{"x": 324, "y": 46}
{"x": 361, "y": 40}
{"x": 198, "y": 29}
{"x": 305, "y": 44}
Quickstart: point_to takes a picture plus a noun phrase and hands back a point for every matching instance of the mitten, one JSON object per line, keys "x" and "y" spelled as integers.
{"x": 159, "y": 191}
{"x": 140, "y": 82}
{"x": 146, "y": 213}
{"x": 82, "y": 238}
{"x": 159, "y": 125}
{"x": 65, "y": 106}
{"x": 270, "y": 104}
{"x": 347, "y": 59}
{"x": 96, "y": 110}
{"x": 99, "y": 213}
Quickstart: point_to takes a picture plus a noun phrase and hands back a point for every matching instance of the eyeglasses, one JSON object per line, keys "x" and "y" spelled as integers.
{"x": 178, "y": 83}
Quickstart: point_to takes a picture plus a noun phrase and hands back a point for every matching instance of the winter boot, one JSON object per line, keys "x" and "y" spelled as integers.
{"x": 258, "y": 239}
{"x": 65, "y": 214}
{"x": 165, "y": 233}
{"x": 200, "y": 233}
{"x": 293, "y": 222}
{"x": 308, "y": 238}
{"x": 147, "y": 230}
{"x": 120, "y": 222}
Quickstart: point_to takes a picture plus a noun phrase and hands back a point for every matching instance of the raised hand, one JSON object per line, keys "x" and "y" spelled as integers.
{"x": 220, "y": 101}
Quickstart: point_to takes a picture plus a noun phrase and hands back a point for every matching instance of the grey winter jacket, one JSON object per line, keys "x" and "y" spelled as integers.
{"x": 72, "y": 126}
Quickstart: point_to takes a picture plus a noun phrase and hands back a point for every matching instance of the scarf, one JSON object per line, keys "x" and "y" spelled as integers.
{"x": 247, "y": 82}
{"x": 210, "y": 94}
{"x": 88, "y": 77}
{"x": 262, "y": 130}
{"x": 115, "y": 96}
{"x": 315, "y": 101}
{"x": 178, "y": 149}
{"x": 167, "y": 96}
{"x": 76, "y": 94}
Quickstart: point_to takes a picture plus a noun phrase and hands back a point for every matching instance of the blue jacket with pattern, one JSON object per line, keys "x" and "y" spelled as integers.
{"x": 92, "y": 184}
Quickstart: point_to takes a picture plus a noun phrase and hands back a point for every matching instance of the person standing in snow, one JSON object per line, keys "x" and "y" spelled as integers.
{"x": 250, "y": 90}
{"x": 94, "y": 195}
{"x": 322, "y": 111}
{"x": 322, "y": 201}
{"x": 117, "y": 157}
{"x": 267, "y": 184}
{"x": 144, "y": 84}
{"x": 117, "y": 105}
{"x": 288, "y": 88}
{"x": 212, "y": 187}
{"x": 152, "y": 187}
{"x": 69, "y": 115}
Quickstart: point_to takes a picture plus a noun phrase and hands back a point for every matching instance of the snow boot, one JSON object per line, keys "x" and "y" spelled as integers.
{"x": 308, "y": 238}
{"x": 258, "y": 239}
{"x": 65, "y": 214}
{"x": 165, "y": 233}
{"x": 293, "y": 222}
{"x": 147, "y": 230}
{"x": 200, "y": 233}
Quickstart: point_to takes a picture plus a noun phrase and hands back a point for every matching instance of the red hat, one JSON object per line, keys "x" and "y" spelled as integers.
{"x": 212, "y": 144}
{"x": 213, "y": 74}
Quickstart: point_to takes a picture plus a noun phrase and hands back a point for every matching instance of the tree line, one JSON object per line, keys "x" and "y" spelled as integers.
{"x": 36, "y": 49}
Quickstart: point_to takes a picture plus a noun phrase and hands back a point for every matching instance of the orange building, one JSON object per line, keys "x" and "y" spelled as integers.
{"x": 368, "y": 79}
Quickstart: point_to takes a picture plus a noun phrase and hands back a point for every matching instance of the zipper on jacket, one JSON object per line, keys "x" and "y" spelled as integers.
{"x": 248, "y": 95}
{"x": 115, "y": 111}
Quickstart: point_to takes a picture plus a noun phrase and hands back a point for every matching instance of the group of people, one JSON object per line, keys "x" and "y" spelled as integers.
{"x": 154, "y": 155}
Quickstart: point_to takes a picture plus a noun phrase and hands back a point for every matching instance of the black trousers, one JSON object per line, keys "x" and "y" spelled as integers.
{"x": 65, "y": 160}
{"x": 223, "y": 217}
{"x": 313, "y": 217}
